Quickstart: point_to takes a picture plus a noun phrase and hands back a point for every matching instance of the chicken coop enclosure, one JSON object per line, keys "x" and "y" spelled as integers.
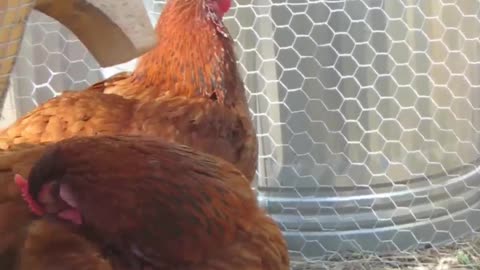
{"x": 367, "y": 114}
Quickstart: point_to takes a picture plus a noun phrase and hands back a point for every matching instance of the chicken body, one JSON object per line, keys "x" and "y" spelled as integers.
{"x": 192, "y": 78}
{"x": 163, "y": 204}
{"x": 206, "y": 126}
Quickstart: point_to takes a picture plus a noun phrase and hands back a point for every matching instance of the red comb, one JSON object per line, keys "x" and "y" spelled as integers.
{"x": 33, "y": 205}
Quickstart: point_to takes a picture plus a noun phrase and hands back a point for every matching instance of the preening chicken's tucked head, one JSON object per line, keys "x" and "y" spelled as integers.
{"x": 164, "y": 204}
{"x": 44, "y": 191}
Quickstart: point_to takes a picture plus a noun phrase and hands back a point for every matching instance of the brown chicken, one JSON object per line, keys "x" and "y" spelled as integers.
{"x": 157, "y": 204}
{"x": 186, "y": 90}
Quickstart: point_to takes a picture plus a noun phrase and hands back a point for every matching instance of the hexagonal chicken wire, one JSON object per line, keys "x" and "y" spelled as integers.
{"x": 367, "y": 113}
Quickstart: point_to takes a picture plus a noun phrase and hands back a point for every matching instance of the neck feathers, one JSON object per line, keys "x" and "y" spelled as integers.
{"x": 192, "y": 58}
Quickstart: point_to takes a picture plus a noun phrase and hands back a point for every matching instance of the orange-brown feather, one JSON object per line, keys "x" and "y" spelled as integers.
{"x": 206, "y": 126}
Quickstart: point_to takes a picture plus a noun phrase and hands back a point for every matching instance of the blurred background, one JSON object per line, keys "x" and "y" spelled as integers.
{"x": 367, "y": 114}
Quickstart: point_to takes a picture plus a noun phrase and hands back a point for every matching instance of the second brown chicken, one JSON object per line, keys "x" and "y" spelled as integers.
{"x": 158, "y": 204}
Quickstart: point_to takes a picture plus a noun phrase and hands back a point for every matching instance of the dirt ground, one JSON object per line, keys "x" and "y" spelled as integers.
{"x": 461, "y": 256}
